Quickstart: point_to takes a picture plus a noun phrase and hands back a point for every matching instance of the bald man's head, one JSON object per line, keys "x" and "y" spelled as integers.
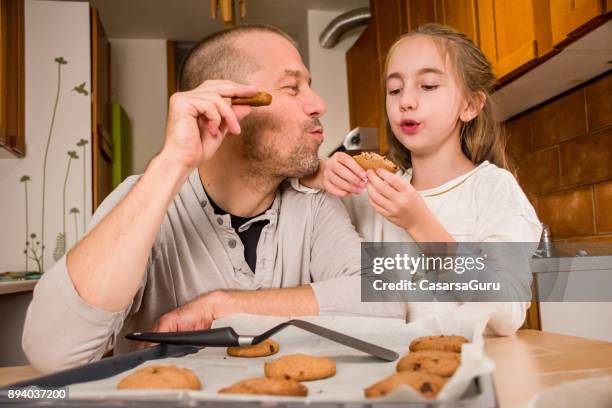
{"x": 219, "y": 56}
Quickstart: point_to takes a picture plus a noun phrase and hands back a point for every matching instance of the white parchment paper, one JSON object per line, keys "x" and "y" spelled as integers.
{"x": 355, "y": 370}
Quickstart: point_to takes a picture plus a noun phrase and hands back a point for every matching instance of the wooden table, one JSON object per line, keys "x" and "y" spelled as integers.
{"x": 526, "y": 364}
{"x": 533, "y": 360}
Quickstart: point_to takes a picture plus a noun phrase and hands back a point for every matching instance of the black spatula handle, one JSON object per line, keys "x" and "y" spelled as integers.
{"x": 221, "y": 337}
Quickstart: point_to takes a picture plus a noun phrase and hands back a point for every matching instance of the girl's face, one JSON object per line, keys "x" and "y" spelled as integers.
{"x": 424, "y": 100}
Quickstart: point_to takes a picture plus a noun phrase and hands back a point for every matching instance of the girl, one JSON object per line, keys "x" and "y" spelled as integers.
{"x": 442, "y": 132}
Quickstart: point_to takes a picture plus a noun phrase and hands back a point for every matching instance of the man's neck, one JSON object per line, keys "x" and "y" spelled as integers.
{"x": 439, "y": 167}
{"x": 235, "y": 187}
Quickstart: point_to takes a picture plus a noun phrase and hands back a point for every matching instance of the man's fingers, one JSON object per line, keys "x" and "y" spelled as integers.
{"x": 208, "y": 100}
{"x": 215, "y": 113}
{"x": 342, "y": 184}
{"x": 348, "y": 175}
{"x": 241, "y": 111}
{"x": 140, "y": 345}
{"x": 225, "y": 112}
{"x": 333, "y": 190}
{"x": 166, "y": 323}
{"x": 206, "y": 109}
{"x": 226, "y": 88}
{"x": 352, "y": 165}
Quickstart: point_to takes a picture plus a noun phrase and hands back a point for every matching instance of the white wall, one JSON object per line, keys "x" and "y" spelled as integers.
{"x": 328, "y": 71}
{"x": 139, "y": 84}
{"x": 52, "y": 29}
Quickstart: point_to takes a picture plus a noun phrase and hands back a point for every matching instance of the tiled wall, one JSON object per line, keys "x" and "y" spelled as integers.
{"x": 563, "y": 151}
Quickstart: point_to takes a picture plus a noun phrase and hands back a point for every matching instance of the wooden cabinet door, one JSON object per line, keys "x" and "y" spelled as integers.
{"x": 459, "y": 14}
{"x": 513, "y": 33}
{"x": 420, "y": 12}
{"x": 389, "y": 14}
{"x": 12, "y": 77}
{"x": 569, "y": 15}
{"x": 364, "y": 83}
{"x": 102, "y": 144}
{"x": 388, "y": 19}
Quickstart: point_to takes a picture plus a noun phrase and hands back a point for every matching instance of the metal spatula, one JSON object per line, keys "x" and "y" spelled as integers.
{"x": 227, "y": 337}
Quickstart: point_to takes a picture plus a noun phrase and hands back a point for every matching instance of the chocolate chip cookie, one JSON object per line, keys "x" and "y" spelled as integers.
{"x": 373, "y": 161}
{"x": 300, "y": 367}
{"x": 263, "y": 349}
{"x": 440, "y": 343}
{"x": 161, "y": 377}
{"x": 428, "y": 385}
{"x": 267, "y": 386}
{"x": 442, "y": 363}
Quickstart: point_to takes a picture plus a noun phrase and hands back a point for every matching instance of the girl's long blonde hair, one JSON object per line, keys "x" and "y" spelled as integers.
{"x": 482, "y": 138}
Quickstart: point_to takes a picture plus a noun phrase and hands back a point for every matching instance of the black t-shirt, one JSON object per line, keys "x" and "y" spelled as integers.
{"x": 249, "y": 237}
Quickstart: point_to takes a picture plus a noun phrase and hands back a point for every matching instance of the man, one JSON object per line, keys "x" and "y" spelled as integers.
{"x": 211, "y": 212}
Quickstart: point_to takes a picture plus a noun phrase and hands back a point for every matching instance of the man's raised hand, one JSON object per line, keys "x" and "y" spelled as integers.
{"x": 199, "y": 119}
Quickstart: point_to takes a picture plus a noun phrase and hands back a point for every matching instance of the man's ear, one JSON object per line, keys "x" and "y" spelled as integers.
{"x": 473, "y": 107}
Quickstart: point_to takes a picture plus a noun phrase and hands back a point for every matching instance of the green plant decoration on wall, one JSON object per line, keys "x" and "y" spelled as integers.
{"x": 75, "y": 211}
{"x": 81, "y": 89}
{"x": 35, "y": 249}
{"x": 60, "y": 241}
{"x": 60, "y": 61}
{"x": 82, "y": 143}
{"x": 24, "y": 179}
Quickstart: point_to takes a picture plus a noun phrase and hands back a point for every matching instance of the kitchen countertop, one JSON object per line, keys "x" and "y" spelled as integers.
{"x": 17, "y": 286}
{"x": 526, "y": 364}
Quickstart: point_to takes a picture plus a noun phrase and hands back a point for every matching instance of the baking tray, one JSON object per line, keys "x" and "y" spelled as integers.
{"x": 480, "y": 394}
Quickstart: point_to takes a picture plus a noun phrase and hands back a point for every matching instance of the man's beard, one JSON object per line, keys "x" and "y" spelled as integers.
{"x": 265, "y": 159}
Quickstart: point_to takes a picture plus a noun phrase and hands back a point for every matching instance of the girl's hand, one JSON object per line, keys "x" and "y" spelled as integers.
{"x": 342, "y": 175}
{"x": 394, "y": 198}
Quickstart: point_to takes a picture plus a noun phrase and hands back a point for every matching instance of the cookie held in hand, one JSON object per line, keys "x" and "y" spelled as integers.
{"x": 300, "y": 367}
{"x": 259, "y": 99}
{"x": 161, "y": 377}
{"x": 373, "y": 161}
{"x": 267, "y": 386}
{"x": 263, "y": 349}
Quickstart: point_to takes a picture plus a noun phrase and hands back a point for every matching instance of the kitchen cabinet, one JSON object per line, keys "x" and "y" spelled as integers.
{"x": 102, "y": 144}
{"x": 514, "y": 34}
{"x": 400, "y": 16}
{"x": 393, "y": 14}
{"x": 390, "y": 12}
{"x": 419, "y": 12}
{"x": 459, "y": 14}
{"x": 567, "y": 16}
{"x": 364, "y": 83}
{"x": 12, "y": 77}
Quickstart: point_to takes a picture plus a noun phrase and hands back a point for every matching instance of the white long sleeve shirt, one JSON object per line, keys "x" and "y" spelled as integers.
{"x": 483, "y": 205}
